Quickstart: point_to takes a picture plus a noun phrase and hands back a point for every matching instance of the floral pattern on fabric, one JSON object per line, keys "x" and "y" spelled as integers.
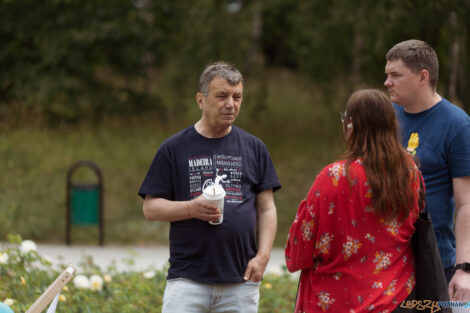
{"x": 324, "y": 244}
{"x": 336, "y": 172}
{"x": 393, "y": 226}
{"x": 349, "y": 258}
{"x": 331, "y": 210}
{"x": 383, "y": 261}
{"x": 411, "y": 283}
{"x": 390, "y": 291}
{"x": 337, "y": 276}
{"x": 307, "y": 230}
{"x": 350, "y": 247}
{"x": 377, "y": 285}
{"x": 370, "y": 237}
{"x": 369, "y": 191}
{"x": 325, "y": 300}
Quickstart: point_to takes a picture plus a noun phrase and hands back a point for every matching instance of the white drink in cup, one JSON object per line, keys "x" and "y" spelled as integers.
{"x": 215, "y": 193}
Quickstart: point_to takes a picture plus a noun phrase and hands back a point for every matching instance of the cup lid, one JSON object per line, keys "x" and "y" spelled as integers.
{"x": 213, "y": 190}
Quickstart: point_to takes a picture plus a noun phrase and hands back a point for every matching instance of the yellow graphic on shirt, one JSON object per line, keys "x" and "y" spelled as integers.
{"x": 413, "y": 143}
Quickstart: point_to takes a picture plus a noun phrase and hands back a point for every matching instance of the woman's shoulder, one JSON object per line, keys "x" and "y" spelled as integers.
{"x": 340, "y": 167}
{"x": 340, "y": 171}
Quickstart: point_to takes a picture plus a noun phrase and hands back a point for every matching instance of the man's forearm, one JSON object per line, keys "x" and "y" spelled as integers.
{"x": 462, "y": 234}
{"x": 159, "y": 209}
{"x": 267, "y": 225}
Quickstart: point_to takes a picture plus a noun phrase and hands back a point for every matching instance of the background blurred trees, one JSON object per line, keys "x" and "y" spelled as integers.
{"x": 69, "y": 60}
{"x": 116, "y": 77}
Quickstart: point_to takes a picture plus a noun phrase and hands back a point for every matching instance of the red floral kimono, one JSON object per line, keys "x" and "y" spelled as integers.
{"x": 351, "y": 261}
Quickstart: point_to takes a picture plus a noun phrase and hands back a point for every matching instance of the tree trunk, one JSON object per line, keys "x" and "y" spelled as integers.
{"x": 255, "y": 58}
{"x": 357, "y": 48}
{"x": 454, "y": 59}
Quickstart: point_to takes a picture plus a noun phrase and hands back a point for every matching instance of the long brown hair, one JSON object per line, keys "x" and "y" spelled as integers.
{"x": 374, "y": 139}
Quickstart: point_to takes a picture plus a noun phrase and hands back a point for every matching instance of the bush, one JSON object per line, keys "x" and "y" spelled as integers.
{"x": 25, "y": 275}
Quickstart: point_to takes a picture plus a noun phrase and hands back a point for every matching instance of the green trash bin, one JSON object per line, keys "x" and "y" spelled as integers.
{"x": 84, "y": 202}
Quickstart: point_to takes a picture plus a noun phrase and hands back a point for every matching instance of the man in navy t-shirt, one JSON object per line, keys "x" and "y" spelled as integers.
{"x": 214, "y": 268}
{"x": 438, "y": 133}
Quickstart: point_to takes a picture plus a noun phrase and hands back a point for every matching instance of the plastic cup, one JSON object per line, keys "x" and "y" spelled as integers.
{"x": 215, "y": 195}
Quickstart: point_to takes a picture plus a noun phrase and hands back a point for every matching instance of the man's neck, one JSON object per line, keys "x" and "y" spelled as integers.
{"x": 207, "y": 131}
{"x": 423, "y": 103}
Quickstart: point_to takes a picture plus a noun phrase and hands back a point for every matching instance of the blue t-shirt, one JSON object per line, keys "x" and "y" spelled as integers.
{"x": 440, "y": 137}
{"x": 198, "y": 250}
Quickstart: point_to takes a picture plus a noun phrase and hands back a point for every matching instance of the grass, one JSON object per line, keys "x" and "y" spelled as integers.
{"x": 299, "y": 125}
{"x": 24, "y": 276}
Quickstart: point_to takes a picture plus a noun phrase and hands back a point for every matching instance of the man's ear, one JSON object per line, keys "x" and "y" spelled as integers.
{"x": 424, "y": 77}
{"x": 199, "y": 97}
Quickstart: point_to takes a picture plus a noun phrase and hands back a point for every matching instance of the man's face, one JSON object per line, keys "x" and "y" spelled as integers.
{"x": 221, "y": 106}
{"x": 402, "y": 84}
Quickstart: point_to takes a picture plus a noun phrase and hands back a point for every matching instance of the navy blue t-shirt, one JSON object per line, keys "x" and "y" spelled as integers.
{"x": 440, "y": 137}
{"x": 198, "y": 250}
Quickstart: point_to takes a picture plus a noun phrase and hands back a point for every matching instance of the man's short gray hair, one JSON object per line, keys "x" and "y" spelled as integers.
{"x": 223, "y": 69}
{"x": 417, "y": 55}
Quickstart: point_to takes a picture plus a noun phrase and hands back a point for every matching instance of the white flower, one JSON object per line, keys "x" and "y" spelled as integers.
{"x": 149, "y": 274}
{"x": 3, "y": 258}
{"x": 28, "y": 246}
{"x": 9, "y": 301}
{"x": 96, "y": 283}
{"x": 81, "y": 282}
{"x": 107, "y": 278}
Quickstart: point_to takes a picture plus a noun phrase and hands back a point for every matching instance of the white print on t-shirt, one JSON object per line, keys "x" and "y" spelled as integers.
{"x": 204, "y": 167}
{"x": 218, "y": 181}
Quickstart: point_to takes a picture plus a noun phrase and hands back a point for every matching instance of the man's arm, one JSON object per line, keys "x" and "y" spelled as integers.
{"x": 160, "y": 209}
{"x": 266, "y": 231}
{"x": 459, "y": 286}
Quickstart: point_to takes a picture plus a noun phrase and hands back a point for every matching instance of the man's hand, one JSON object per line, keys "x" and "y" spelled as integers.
{"x": 255, "y": 268}
{"x": 201, "y": 209}
{"x": 459, "y": 286}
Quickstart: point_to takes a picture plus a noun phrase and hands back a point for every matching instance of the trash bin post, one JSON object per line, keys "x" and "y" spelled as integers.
{"x": 84, "y": 202}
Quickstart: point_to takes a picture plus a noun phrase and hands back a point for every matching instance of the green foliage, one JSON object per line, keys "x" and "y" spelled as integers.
{"x": 331, "y": 40}
{"x": 24, "y": 276}
{"x": 57, "y": 58}
{"x": 66, "y": 61}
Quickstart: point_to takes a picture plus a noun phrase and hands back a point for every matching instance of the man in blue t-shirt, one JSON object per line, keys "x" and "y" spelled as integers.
{"x": 438, "y": 133}
{"x": 214, "y": 268}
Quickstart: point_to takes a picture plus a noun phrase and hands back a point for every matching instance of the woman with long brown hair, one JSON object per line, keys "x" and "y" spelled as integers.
{"x": 351, "y": 235}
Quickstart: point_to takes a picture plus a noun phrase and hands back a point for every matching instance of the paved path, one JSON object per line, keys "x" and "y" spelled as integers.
{"x": 144, "y": 258}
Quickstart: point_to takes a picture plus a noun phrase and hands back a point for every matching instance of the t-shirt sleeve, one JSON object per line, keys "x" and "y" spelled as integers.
{"x": 157, "y": 182}
{"x": 267, "y": 174}
{"x": 459, "y": 153}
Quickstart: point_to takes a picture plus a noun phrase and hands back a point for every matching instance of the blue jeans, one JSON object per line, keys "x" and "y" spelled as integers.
{"x": 184, "y": 295}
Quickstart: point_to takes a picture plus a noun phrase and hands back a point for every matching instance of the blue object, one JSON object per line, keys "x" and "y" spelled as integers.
{"x": 199, "y": 251}
{"x": 5, "y": 308}
{"x": 441, "y": 143}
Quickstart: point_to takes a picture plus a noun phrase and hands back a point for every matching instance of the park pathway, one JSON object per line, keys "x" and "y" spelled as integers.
{"x": 127, "y": 258}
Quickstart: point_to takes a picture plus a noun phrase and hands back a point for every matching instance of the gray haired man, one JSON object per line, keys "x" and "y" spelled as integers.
{"x": 214, "y": 268}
